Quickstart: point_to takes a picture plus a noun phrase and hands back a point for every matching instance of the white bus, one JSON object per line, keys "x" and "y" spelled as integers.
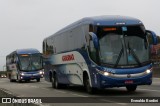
{"x": 99, "y": 52}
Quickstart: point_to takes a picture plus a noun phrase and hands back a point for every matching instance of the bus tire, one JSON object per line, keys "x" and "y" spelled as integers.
{"x": 28, "y": 80}
{"x": 50, "y": 76}
{"x": 20, "y": 81}
{"x": 11, "y": 80}
{"x": 55, "y": 83}
{"x": 131, "y": 88}
{"x": 18, "y": 78}
{"x": 38, "y": 79}
{"x": 88, "y": 87}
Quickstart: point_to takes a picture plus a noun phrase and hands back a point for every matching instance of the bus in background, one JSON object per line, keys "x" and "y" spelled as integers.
{"x": 24, "y": 65}
{"x": 99, "y": 52}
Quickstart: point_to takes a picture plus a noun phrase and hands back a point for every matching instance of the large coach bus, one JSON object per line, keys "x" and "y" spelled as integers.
{"x": 99, "y": 52}
{"x": 24, "y": 65}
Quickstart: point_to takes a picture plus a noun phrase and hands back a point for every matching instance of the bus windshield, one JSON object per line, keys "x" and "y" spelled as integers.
{"x": 123, "y": 46}
{"x": 31, "y": 62}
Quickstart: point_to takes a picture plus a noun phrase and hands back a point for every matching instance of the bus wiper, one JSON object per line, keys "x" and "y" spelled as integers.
{"x": 134, "y": 55}
{"x": 119, "y": 57}
{"x": 28, "y": 66}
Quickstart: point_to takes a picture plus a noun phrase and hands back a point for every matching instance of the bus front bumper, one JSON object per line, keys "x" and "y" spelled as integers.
{"x": 107, "y": 82}
{"x": 31, "y": 77}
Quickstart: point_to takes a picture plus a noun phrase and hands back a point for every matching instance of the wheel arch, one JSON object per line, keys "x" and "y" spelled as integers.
{"x": 86, "y": 74}
{"x": 50, "y": 76}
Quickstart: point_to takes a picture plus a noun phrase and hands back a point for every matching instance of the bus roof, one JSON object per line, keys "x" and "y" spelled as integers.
{"x": 107, "y": 20}
{"x": 27, "y": 51}
{"x": 112, "y": 20}
{"x": 24, "y": 51}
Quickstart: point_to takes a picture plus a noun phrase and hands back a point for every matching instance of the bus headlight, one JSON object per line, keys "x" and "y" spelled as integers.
{"x": 22, "y": 74}
{"x": 106, "y": 73}
{"x": 103, "y": 72}
{"x": 40, "y": 72}
{"x": 148, "y": 71}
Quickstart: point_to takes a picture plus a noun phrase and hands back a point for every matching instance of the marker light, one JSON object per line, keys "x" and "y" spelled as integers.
{"x": 109, "y": 29}
{"x": 24, "y": 55}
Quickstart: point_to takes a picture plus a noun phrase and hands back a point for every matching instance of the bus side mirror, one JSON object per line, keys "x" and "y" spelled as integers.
{"x": 94, "y": 39}
{"x": 153, "y": 36}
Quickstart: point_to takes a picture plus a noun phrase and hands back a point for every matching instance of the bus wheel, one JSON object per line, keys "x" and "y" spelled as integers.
{"x": 18, "y": 78}
{"x": 38, "y": 80}
{"x": 131, "y": 88}
{"x": 27, "y": 80}
{"x": 88, "y": 87}
{"x": 11, "y": 80}
{"x": 50, "y": 77}
{"x": 55, "y": 83}
{"x": 20, "y": 81}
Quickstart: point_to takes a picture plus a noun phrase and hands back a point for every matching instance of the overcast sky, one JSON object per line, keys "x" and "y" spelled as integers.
{"x": 25, "y": 23}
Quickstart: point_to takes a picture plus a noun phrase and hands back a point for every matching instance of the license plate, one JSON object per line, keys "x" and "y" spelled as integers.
{"x": 129, "y": 82}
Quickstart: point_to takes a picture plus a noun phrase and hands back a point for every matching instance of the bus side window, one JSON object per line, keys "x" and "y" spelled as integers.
{"x": 150, "y": 40}
{"x": 92, "y": 50}
{"x": 12, "y": 59}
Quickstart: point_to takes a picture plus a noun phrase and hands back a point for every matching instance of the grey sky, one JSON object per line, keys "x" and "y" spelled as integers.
{"x": 25, "y": 23}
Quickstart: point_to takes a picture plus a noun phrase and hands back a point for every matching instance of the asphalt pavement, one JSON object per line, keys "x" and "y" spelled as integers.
{"x": 77, "y": 96}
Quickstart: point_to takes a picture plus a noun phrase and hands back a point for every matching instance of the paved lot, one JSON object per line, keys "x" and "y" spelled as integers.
{"x": 111, "y": 95}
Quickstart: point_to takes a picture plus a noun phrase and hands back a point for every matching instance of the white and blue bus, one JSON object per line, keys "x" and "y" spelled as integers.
{"x": 99, "y": 52}
{"x": 24, "y": 65}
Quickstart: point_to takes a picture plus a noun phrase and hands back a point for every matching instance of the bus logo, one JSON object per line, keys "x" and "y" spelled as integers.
{"x": 68, "y": 57}
{"x": 128, "y": 76}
